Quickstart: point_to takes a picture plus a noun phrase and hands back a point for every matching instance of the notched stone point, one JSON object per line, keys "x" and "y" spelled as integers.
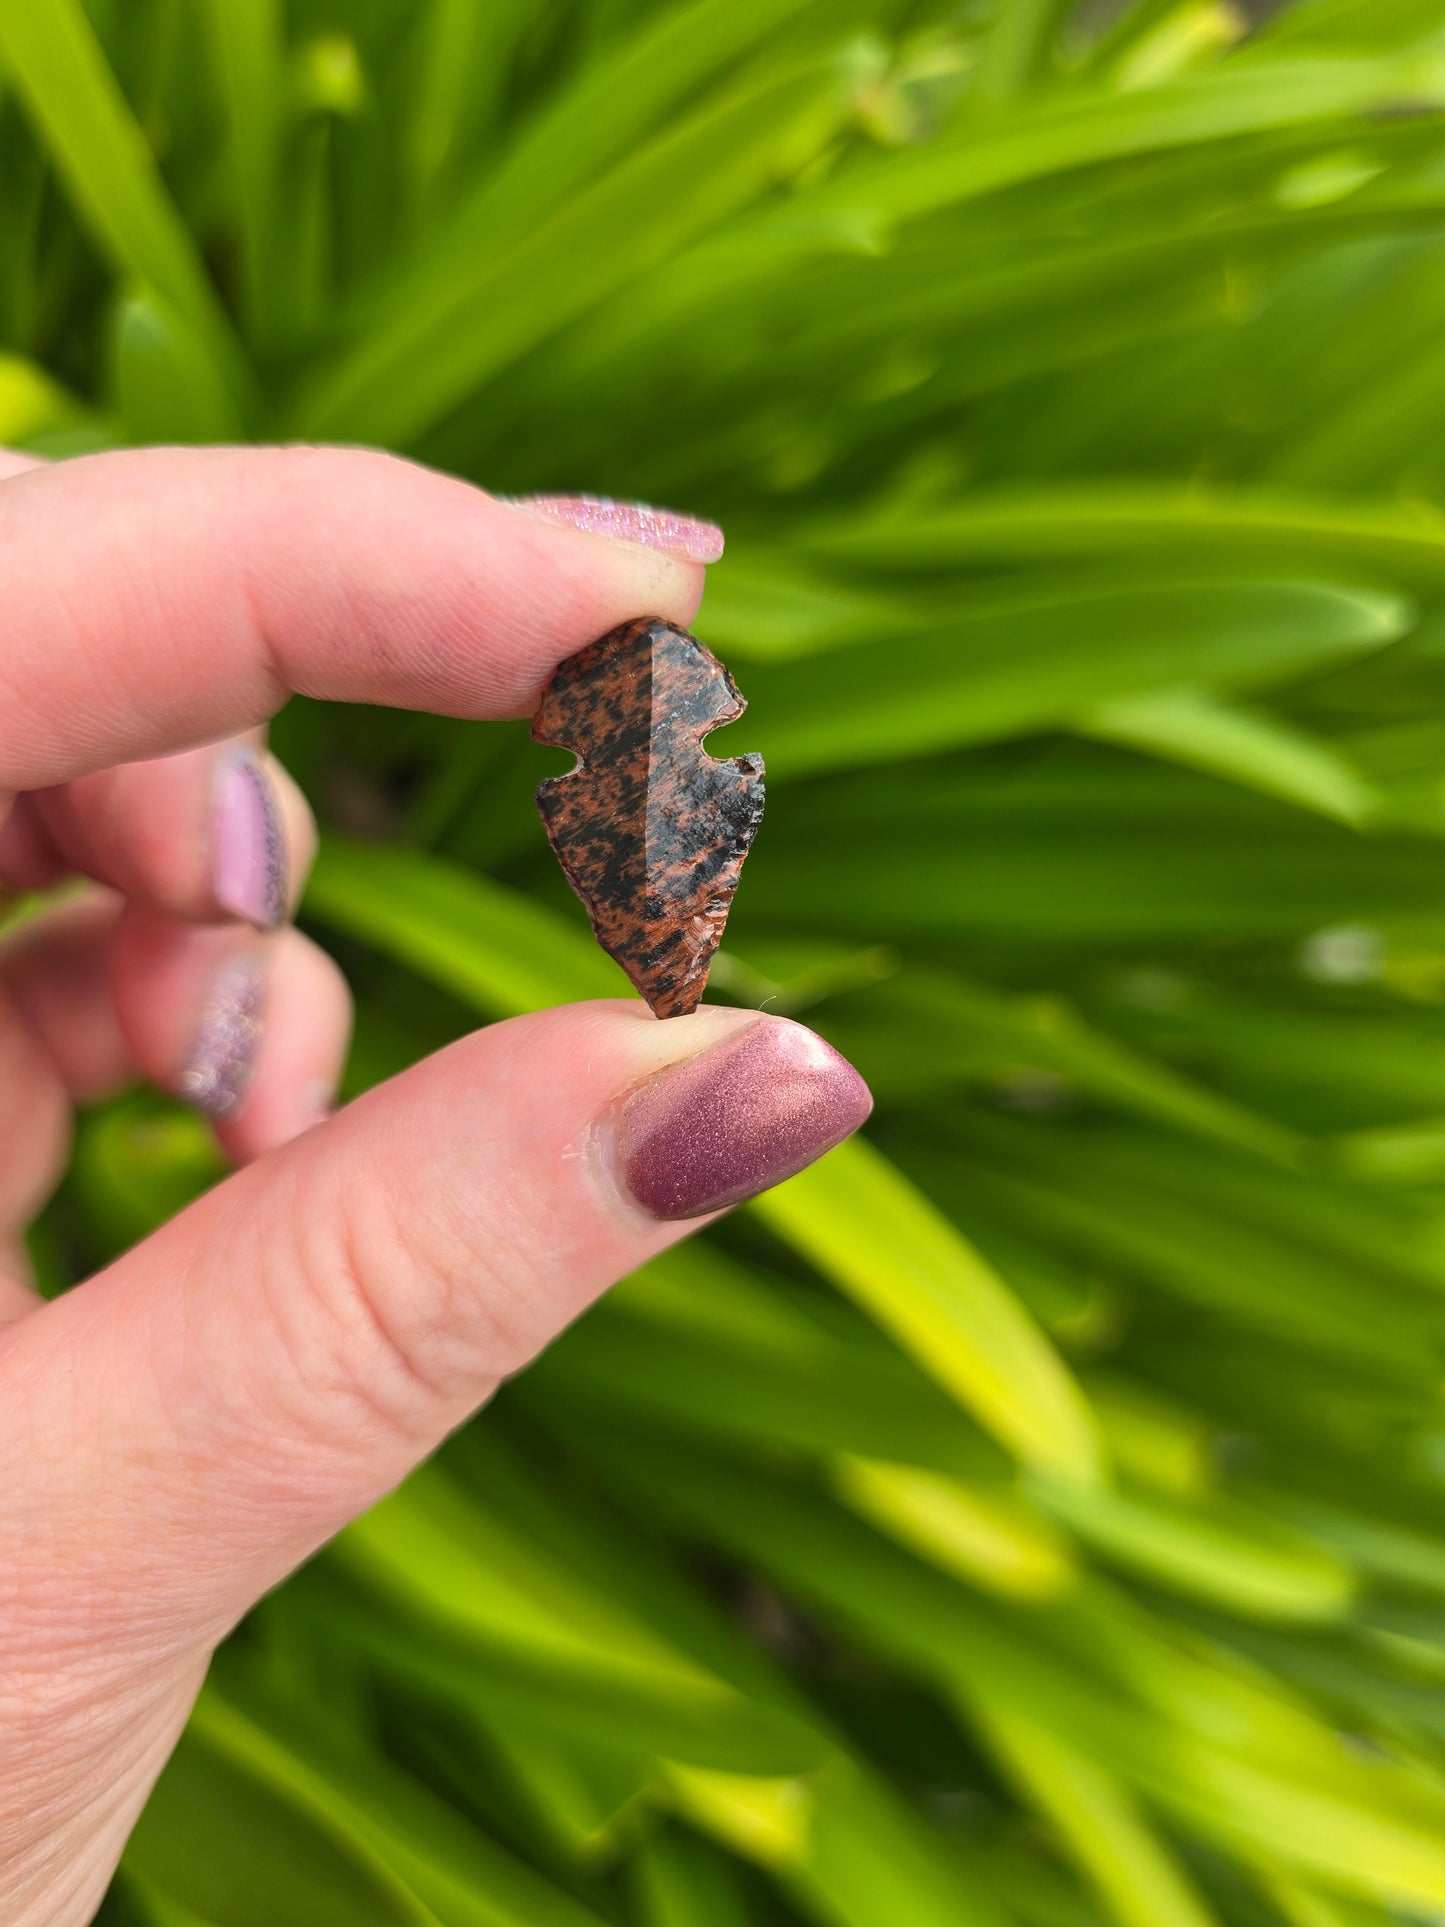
{"x": 650, "y": 830}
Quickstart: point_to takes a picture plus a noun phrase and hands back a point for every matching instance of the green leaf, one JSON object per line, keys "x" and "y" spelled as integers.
{"x": 813, "y": 1393}
{"x": 843, "y": 1843}
{"x": 1245, "y": 1562}
{"x": 1273, "y": 1275}
{"x": 133, "y": 1902}
{"x": 137, "y": 1161}
{"x": 1246, "y": 747}
{"x": 1114, "y": 517}
{"x": 55, "y": 60}
{"x": 31, "y": 403}
{"x": 881, "y": 1242}
{"x": 449, "y": 1871}
{"x": 589, "y": 1803}
{"x": 928, "y": 1030}
{"x": 553, "y": 1651}
{"x": 681, "y": 1882}
{"x": 1050, "y": 656}
{"x": 989, "y": 1536}
{"x": 226, "y": 1835}
{"x": 1303, "y": 1906}
{"x": 462, "y": 330}
{"x": 166, "y": 385}
{"x": 1218, "y": 1747}
{"x": 1091, "y": 127}
{"x": 466, "y": 46}
{"x": 1139, "y": 1879}
{"x": 584, "y": 128}
{"x": 1012, "y": 50}
{"x": 249, "y": 51}
{"x": 485, "y": 943}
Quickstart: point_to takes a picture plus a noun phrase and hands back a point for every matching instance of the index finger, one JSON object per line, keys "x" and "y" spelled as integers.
{"x": 161, "y": 598}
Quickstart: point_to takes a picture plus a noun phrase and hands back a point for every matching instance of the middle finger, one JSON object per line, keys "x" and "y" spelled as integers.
{"x": 208, "y": 835}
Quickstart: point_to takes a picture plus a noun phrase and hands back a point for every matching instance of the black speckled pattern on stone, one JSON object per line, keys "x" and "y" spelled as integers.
{"x": 650, "y": 830}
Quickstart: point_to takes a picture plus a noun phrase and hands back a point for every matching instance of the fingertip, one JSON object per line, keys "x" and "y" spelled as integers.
{"x": 686, "y": 538}
{"x": 304, "y": 1033}
{"x": 211, "y": 834}
{"x": 747, "y": 1112}
{"x": 588, "y": 582}
{"x": 227, "y": 578}
{"x": 263, "y": 838}
{"x": 250, "y": 1029}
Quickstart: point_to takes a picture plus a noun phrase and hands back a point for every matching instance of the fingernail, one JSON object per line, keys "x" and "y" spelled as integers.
{"x": 681, "y": 535}
{"x": 734, "y": 1120}
{"x": 249, "y": 844}
{"x": 222, "y": 1065}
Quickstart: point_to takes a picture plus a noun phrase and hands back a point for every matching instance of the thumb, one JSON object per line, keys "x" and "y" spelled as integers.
{"x": 197, "y": 1419}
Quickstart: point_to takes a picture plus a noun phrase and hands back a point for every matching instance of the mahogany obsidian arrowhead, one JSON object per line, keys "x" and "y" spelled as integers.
{"x": 650, "y": 830}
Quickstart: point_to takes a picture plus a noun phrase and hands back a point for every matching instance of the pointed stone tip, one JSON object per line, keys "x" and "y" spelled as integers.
{"x": 680, "y": 1002}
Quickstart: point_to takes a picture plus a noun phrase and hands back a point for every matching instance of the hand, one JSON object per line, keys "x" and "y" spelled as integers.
{"x": 181, "y": 1431}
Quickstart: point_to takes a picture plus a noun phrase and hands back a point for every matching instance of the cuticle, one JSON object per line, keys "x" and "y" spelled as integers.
{"x": 596, "y": 1146}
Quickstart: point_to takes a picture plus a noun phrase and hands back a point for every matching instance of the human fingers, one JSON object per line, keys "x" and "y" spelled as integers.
{"x": 251, "y": 1029}
{"x": 208, "y": 834}
{"x": 17, "y": 1294}
{"x": 160, "y": 599}
{"x": 56, "y": 969}
{"x": 192, "y": 1423}
{"x": 59, "y": 1039}
{"x": 34, "y": 1119}
{"x": 231, "y": 1392}
{"x": 12, "y": 462}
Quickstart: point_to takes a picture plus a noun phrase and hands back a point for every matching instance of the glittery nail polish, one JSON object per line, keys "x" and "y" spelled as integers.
{"x": 680, "y": 535}
{"x": 249, "y": 843}
{"x": 714, "y": 1129}
{"x": 222, "y": 1063}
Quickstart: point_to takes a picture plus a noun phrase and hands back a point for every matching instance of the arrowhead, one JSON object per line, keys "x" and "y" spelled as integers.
{"x": 650, "y": 830}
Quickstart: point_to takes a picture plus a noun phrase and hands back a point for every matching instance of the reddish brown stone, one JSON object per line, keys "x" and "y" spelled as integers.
{"x": 650, "y": 830}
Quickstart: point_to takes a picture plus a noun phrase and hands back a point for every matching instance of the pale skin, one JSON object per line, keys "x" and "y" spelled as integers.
{"x": 181, "y": 1431}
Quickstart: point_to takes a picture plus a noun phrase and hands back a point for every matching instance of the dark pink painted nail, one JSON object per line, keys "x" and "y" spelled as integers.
{"x": 734, "y": 1120}
{"x": 681, "y": 535}
{"x": 249, "y": 843}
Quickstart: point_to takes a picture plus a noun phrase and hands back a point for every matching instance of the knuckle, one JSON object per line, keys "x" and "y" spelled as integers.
{"x": 416, "y": 1326}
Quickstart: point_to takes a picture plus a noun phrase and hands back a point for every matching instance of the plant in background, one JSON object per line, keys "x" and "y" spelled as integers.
{"x": 1031, "y": 1515}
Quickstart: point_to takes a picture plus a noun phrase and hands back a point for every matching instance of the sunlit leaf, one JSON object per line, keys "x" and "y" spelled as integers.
{"x": 878, "y": 1239}
{"x": 1049, "y": 657}
{"x": 1232, "y": 742}
{"x": 1141, "y": 1882}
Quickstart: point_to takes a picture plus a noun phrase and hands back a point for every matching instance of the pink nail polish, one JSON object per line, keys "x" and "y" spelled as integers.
{"x": 249, "y": 844}
{"x": 680, "y": 535}
{"x": 222, "y": 1063}
{"x": 735, "y": 1120}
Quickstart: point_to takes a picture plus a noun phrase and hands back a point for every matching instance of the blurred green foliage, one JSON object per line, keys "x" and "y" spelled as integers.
{"x": 1033, "y": 1515}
